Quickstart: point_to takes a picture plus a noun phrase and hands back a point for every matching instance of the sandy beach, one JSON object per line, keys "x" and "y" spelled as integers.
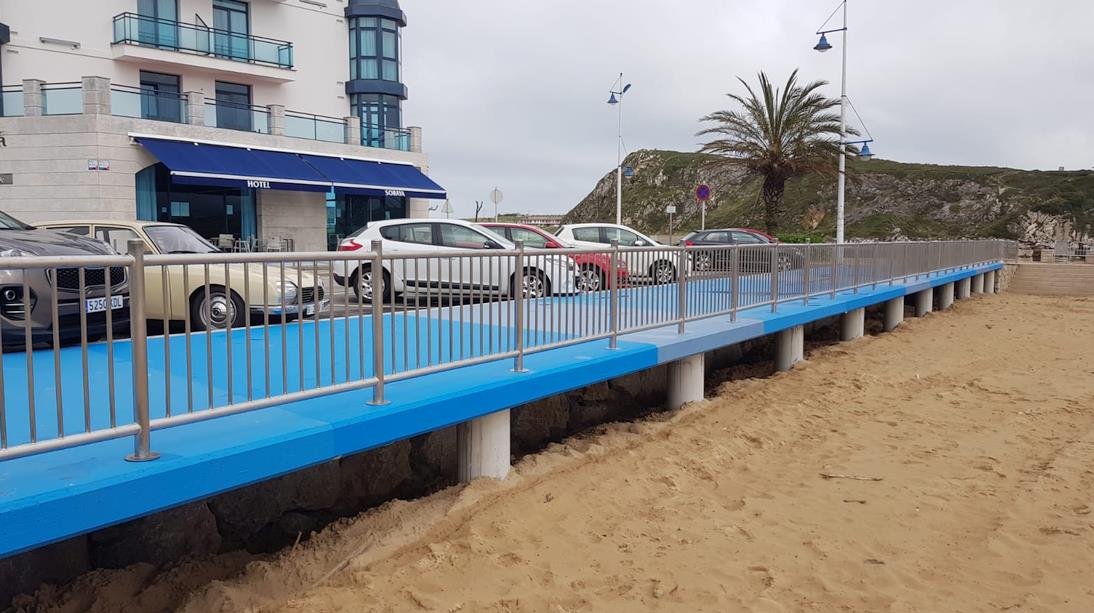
{"x": 948, "y": 466}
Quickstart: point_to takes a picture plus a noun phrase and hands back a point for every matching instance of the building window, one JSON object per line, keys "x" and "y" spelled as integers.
{"x": 161, "y": 96}
{"x": 158, "y": 23}
{"x": 233, "y": 106}
{"x": 381, "y": 119}
{"x": 374, "y": 49}
{"x": 351, "y": 213}
{"x": 231, "y": 25}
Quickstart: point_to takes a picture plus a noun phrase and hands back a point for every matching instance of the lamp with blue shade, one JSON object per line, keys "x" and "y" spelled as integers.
{"x": 865, "y": 154}
{"x": 823, "y": 45}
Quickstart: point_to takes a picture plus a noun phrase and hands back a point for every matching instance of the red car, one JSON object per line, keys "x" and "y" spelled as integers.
{"x": 593, "y": 268}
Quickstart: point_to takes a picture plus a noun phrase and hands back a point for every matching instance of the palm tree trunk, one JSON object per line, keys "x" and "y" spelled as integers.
{"x": 774, "y": 186}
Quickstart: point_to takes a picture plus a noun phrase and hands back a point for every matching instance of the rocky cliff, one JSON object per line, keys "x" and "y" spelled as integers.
{"x": 887, "y": 200}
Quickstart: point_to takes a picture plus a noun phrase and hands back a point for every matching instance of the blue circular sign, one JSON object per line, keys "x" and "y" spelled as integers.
{"x": 703, "y": 192}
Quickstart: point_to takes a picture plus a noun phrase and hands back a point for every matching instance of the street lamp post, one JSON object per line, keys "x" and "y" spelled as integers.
{"x": 616, "y": 99}
{"x": 822, "y": 46}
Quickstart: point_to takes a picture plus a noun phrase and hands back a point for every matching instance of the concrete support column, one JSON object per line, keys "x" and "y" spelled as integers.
{"x": 34, "y": 104}
{"x": 195, "y": 108}
{"x": 789, "y": 348}
{"x": 353, "y": 131}
{"x": 277, "y": 119}
{"x": 482, "y": 447}
{"x": 989, "y": 282}
{"x": 963, "y": 288}
{"x": 924, "y": 302}
{"x": 852, "y": 324}
{"x": 96, "y": 95}
{"x": 415, "y": 139}
{"x": 945, "y": 296}
{"x": 978, "y": 284}
{"x": 894, "y": 313}
{"x": 686, "y": 380}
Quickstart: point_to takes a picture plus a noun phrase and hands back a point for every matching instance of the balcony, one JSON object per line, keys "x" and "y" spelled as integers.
{"x": 385, "y": 138}
{"x": 160, "y": 41}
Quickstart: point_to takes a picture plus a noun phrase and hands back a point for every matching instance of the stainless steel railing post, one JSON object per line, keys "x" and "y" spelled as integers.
{"x": 613, "y": 295}
{"x": 835, "y": 269}
{"x": 775, "y": 277}
{"x": 518, "y": 305}
{"x": 807, "y": 263}
{"x": 138, "y": 334}
{"x": 682, "y": 289}
{"x": 735, "y": 281}
{"x": 378, "y": 291}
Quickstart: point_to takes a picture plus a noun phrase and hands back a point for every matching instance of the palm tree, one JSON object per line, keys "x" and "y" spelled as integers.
{"x": 777, "y": 136}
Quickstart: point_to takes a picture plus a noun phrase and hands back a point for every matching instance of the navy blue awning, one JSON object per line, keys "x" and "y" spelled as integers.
{"x": 206, "y": 164}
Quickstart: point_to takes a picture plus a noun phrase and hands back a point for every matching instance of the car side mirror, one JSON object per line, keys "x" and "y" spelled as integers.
{"x": 553, "y": 245}
{"x": 491, "y": 245}
{"x": 641, "y": 243}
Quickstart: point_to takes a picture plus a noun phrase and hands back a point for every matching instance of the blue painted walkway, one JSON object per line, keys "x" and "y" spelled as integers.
{"x": 53, "y": 496}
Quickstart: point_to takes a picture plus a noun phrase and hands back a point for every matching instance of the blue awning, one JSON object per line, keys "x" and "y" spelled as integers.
{"x": 207, "y": 164}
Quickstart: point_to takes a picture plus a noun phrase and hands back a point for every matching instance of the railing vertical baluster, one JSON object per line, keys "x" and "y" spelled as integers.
{"x": 807, "y": 281}
{"x": 735, "y": 281}
{"x": 518, "y": 306}
{"x": 682, "y": 288}
{"x": 613, "y": 290}
{"x": 138, "y": 333}
{"x": 377, "y": 285}
{"x": 774, "y": 277}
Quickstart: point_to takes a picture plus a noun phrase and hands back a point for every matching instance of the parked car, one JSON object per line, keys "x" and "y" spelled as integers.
{"x": 437, "y": 240}
{"x": 751, "y": 260}
{"x": 18, "y": 239}
{"x": 650, "y": 262}
{"x": 593, "y": 269}
{"x": 186, "y": 292}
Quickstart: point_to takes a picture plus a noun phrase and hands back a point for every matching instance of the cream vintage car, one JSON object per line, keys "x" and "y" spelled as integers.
{"x": 210, "y": 309}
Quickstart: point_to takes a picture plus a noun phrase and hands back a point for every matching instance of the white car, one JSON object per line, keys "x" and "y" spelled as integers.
{"x": 437, "y": 271}
{"x": 651, "y": 261}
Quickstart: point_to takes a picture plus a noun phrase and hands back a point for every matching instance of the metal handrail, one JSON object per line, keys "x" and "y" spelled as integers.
{"x": 124, "y": 34}
{"x": 471, "y": 315}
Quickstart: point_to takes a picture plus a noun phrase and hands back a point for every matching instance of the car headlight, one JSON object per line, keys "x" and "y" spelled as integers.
{"x": 15, "y": 252}
{"x": 287, "y": 291}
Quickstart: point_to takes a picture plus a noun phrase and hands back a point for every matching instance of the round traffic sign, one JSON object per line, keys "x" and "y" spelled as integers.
{"x": 703, "y": 192}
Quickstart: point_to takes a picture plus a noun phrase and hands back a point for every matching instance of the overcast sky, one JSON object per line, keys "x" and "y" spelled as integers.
{"x": 513, "y": 92}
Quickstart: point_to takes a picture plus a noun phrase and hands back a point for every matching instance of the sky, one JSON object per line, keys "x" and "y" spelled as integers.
{"x": 513, "y": 93}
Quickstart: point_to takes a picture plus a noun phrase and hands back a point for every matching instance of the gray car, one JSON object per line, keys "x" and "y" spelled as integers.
{"x": 18, "y": 239}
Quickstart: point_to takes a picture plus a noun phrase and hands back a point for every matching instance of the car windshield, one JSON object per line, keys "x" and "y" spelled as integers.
{"x": 495, "y": 236}
{"x": 7, "y": 222}
{"x": 178, "y": 239}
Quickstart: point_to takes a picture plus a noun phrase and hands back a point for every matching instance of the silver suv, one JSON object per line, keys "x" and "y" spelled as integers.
{"x": 18, "y": 239}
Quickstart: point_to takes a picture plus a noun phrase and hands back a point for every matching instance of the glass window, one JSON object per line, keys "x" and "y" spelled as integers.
{"x": 589, "y": 235}
{"x": 78, "y": 230}
{"x": 462, "y": 237}
{"x": 233, "y": 106}
{"x": 531, "y": 239}
{"x": 747, "y": 238}
{"x": 716, "y": 237}
{"x": 178, "y": 239}
{"x": 161, "y": 96}
{"x": 626, "y": 238}
{"x": 418, "y": 233}
{"x": 231, "y": 25}
{"x": 117, "y": 238}
{"x": 374, "y": 48}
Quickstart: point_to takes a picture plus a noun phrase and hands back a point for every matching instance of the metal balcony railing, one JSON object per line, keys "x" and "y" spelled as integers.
{"x": 315, "y": 127}
{"x": 385, "y": 138}
{"x": 134, "y": 29}
{"x": 146, "y": 103}
{"x": 11, "y": 101}
{"x": 242, "y": 117}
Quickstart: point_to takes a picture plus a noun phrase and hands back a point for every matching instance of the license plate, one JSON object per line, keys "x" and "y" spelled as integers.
{"x": 98, "y": 305}
{"x": 309, "y": 310}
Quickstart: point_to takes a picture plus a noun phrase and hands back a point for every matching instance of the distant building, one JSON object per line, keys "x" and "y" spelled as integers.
{"x": 261, "y": 119}
{"x": 541, "y": 220}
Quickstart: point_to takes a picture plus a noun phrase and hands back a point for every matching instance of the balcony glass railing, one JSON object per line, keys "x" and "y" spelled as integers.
{"x": 11, "y": 101}
{"x": 385, "y": 138}
{"x": 146, "y": 103}
{"x": 133, "y": 29}
{"x": 242, "y": 117}
{"x": 315, "y": 127}
{"x": 62, "y": 99}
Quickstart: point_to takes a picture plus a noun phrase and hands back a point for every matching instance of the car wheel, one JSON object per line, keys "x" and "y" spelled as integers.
{"x": 590, "y": 279}
{"x": 362, "y": 284}
{"x": 216, "y": 310}
{"x": 663, "y": 272}
{"x": 785, "y": 263}
{"x": 703, "y": 261}
{"x": 533, "y": 284}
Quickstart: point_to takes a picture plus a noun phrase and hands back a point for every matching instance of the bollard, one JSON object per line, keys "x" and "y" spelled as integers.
{"x": 138, "y": 333}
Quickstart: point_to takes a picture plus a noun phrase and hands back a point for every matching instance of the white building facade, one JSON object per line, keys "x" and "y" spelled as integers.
{"x": 267, "y": 121}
